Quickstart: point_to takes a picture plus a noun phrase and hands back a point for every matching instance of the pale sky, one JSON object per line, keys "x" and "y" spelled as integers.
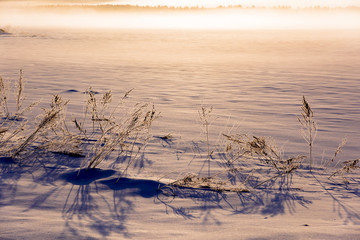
{"x": 215, "y": 3}
{"x": 202, "y": 3}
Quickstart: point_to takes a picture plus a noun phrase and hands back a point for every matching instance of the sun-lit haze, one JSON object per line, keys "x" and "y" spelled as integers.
{"x": 216, "y": 3}
{"x": 232, "y": 20}
{"x": 200, "y": 3}
{"x": 26, "y": 15}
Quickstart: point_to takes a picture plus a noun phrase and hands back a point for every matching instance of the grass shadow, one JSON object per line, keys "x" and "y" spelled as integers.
{"x": 88, "y": 203}
{"x": 10, "y": 174}
{"x": 134, "y": 187}
{"x": 87, "y": 176}
{"x": 276, "y": 197}
{"x": 337, "y": 193}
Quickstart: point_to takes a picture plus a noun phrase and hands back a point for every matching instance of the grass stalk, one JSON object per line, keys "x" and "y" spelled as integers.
{"x": 309, "y": 127}
{"x": 3, "y": 97}
{"x": 205, "y": 115}
{"x": 20, "y": 89}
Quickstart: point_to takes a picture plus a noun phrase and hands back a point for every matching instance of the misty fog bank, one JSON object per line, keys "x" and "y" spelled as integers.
{"x": 108, "y": 16}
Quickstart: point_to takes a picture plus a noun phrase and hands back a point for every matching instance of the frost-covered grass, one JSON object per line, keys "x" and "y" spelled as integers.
{"x": 100, "y": 133}
{"x": 94, "y": 137}
{"x": 71, "y": 175}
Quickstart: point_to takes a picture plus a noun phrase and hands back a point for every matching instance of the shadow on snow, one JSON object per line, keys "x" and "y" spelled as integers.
{"x": 99, "y": 202}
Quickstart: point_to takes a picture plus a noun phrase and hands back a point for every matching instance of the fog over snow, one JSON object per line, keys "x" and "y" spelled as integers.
{"x": 26, "y": 14}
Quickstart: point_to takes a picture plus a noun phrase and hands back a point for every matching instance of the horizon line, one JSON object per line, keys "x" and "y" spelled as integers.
{"x": 136, "y": 6}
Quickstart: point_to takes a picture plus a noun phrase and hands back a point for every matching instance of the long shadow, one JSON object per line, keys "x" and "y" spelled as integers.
{"x": 82, "y": 205}
{"x": 205, "y": 201}
{"x": 274, "y": 197}
{"x": 88, "y": 200}
{"x": 267, "y": 201}
{"x": 36, "y": 165}
{"x": 88, "y": 190}
{"x": 134, "y": 160}
{"x": 345, "y": 211}
{"x": 85, "y": 203}
{"x": 12, "y": 170}
{"x": 124, "y": 188}
{"x": 45, "y": 167}
{"x": 10, "y": 173}
{"x": 278, "y": 197}
{"x": 85, "y": 177}
{"x": 134, "y": 187}
{"x": 88, "y": 207}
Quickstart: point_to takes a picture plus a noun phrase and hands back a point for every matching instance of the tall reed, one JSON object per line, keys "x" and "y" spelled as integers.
{"x": 205, "y": 115}
{"x": 20, "y": 89}
{"x": 3, "y": 97}
{"x": 308, "y": 127}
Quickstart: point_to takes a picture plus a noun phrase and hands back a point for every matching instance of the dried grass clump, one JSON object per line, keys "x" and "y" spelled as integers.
{"x": 341, "y": 168}
{"x": 48, "y": 119}
{"x": 104, "y": 128}
{"x": 10, "y": 133}
{"x": 12, "y": 124}
{"x": 5, "y": 29}
{"x": 347, "y": 167}
{"x": 247, "y": 162}
{"x": 109, "y": 133}
{"x": 206, "y": 183}
{"x": 17, "y": 91}
{"x": 262, "y": 149}
{"x": 257, "y": 160}
{"x": 59, "y": 139}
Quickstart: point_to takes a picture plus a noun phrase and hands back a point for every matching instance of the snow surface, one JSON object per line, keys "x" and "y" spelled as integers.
{"x": 255, "y": 81}
{"x": 39, "y": 205}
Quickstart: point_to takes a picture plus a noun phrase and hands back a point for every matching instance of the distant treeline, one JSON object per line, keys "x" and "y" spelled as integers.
{"x": 113, "y": 7}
